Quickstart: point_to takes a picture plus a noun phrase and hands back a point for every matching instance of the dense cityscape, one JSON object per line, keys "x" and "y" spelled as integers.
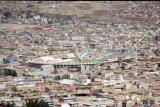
{"x": 79, "y": 54}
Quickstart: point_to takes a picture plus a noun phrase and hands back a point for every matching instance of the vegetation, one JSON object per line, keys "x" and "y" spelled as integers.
{"x": 6, "y": 48}
{"x": 39, "y": 41}
{"x": 29, "y": 14}
{"x": 7, "y": 14}
{"x": 12, "y": 73}
{"x": 2, "y": 33}
{"x": 50, "y": 22}
{"x": 47, "y": 90}
{"x": 34, "y": 49}
{"x": 36, "y": 103}
{"x": 9, "y": 104}
{"x": 14, "y": 88}
{"x": 99, "y": 73}
{"x": 60, "y": 21}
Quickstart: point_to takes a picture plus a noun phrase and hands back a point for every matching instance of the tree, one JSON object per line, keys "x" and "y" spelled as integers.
{"x": 123, "y": 67}
{"x": 36, "y": 103}
{"x": 99, "y": 73}
{"x": 14, "y": 74}
{"x": 50, "y": 22}
{"x": 44, "y": 78}
{"x": 7, "y": 14}
{"x": 14, "y": 88}
{"x": 11, "y": 104}
{"x": 42, "y": 103}
{"x": 29, "y": 14}
{"x": 47, "y": 90}
{"x": 93, "y": 79}
{"x": 39, "y": 41}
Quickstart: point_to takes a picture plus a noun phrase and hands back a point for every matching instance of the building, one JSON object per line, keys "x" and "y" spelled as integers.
{"x": 68, "y": 62}
{"x": 11, "y": 59}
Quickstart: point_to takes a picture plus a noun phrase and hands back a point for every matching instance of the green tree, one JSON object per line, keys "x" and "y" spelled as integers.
{"x": 39, "y": 41}
{"x": 43, "y": 104}
{"x": 14, "y": 88}
{"x": 50, "y": 22}
{"x": 11, "y": 104}
{"x": 36, "y": 103}
{"x": 14, "y": 74}
{"x": 47, "y": 90}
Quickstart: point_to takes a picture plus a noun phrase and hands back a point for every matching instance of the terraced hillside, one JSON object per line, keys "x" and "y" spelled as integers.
{"x": 146, "y": 13}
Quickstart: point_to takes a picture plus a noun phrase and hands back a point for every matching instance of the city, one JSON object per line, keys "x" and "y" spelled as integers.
{"x": 80, "y": 53}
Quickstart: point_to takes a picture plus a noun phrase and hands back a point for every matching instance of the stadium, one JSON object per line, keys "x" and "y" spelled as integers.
{"x": 71, "y": 60}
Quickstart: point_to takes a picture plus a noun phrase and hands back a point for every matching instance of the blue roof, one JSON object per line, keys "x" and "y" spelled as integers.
{"x": 103, "y": 53}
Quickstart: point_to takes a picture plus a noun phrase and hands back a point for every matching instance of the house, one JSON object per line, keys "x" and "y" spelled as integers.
{"x": 18, "y": 80}
{"x": 37, "y": 17}
{"x": 40, "y": 87}
{"x": 47, "y": 67}
{"x": 11, "y": 59}
{"x": 96, "y": 85}
{"x": 40, "y": 73}
{"x": 94, "y": 104}
{"x": 126, "y": 103}
{"x": 77, "y": 38}
{"x": 82, "y": 90}
{"x": 35, "y": 79}
{"x": 67, "y": 81}
{"x": 29, "y": 82}
{"x": 2, "y": 85}
{"x": 70, "y": 99}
